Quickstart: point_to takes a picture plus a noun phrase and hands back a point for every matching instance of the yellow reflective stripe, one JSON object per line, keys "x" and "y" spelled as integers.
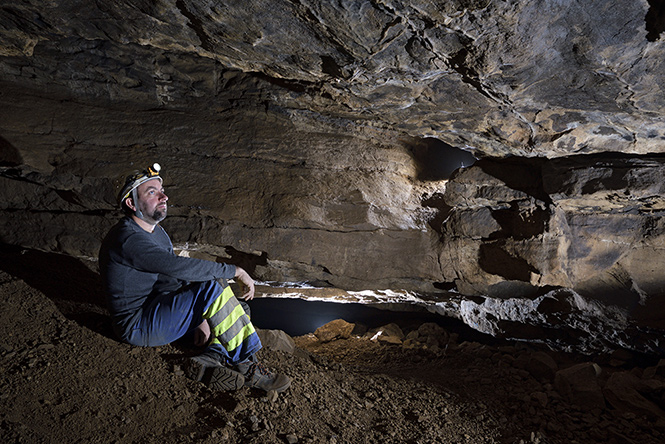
{"x": 228, "y": 321}
{"x": 238, "y": 339}
{"x": 246, "y": 332}
{"x": 218, "y": 303}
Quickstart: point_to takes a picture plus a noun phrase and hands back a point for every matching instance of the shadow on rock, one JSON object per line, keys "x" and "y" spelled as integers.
{"x": 73, "y": 286}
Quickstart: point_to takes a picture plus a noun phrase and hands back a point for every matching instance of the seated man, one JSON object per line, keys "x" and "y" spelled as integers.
{"x": 156, "y": 297}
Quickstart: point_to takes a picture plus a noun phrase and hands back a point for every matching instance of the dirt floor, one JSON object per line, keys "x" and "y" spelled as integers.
{"x": 66, "y": 379}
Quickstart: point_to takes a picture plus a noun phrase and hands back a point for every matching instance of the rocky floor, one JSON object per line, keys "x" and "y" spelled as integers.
{"x": 65, "y": 379}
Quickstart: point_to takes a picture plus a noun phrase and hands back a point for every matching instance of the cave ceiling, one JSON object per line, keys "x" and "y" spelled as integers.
{"x": 497, "y": 78}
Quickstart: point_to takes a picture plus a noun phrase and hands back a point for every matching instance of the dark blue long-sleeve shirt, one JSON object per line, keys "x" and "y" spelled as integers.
{"x": 136, "y": 265}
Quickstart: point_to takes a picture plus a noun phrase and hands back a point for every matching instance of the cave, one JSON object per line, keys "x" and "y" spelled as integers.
{"x": 494, "y": 168}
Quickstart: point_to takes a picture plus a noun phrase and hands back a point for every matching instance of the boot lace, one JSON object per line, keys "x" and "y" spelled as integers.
{"x": 258, "y": 367}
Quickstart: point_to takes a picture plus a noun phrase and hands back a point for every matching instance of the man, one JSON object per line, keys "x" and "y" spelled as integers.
{"x": 156, "y": 297}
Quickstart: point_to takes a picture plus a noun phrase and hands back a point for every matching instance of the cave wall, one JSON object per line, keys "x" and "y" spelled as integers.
{"x": 302, "y": 202}
{"x": 292, "y": 137}
{"x": 517, "y": 228}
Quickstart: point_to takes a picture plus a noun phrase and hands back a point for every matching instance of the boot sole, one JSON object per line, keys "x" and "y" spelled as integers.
{"x": 215, "y": 377}
{"x": 279, "y": 384}
{"x": 223, "y": 378}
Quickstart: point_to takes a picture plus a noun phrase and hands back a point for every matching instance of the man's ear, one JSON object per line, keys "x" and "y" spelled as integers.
{"x": 130, "y": 203}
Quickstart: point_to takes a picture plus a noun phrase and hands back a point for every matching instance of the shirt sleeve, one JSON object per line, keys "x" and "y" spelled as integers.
{"x": 144, "y": 253}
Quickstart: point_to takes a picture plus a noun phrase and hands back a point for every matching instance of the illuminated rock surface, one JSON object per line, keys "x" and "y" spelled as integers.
{"x": 312, "y": 141}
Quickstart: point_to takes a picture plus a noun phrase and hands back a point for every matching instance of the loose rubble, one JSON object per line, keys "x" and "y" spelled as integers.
{"x": 65, "y": 379}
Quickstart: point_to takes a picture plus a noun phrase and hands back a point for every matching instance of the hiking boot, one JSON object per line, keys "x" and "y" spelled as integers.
{"x": 210, "y": 371}
{"x": 257, "y": 376}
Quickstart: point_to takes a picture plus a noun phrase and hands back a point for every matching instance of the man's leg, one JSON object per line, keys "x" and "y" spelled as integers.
{"x": 233, "y": 334}
{"x": 234, "y": 339}
{"x": 170, "y": 317}
{"x": 202, "y": 334}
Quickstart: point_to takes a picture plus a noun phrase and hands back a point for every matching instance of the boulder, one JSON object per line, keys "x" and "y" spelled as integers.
{"x": 390, "y": 333}
{"x": 626, "y": 392}
{"x": 277, "y": 340}
{"x": 337, "y": 329}
{"x": 579, "y": 385}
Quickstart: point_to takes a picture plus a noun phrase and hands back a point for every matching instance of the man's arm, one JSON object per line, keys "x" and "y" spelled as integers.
{"x": 144, "y": 254}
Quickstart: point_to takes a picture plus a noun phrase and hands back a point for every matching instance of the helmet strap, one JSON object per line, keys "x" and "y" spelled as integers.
{"x": 135, "y": 197}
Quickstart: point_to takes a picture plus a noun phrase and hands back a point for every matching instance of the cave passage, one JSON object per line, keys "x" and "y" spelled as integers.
{"x": 436, "y": 160}
{"x": 298, "y": 317}
{"x": 655, "y": 19}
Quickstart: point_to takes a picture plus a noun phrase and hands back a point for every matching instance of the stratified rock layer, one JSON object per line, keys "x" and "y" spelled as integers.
{"x": 311, "y": 141}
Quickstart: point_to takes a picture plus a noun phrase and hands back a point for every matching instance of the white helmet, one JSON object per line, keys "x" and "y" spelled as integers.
{"x": 137, "y": 178}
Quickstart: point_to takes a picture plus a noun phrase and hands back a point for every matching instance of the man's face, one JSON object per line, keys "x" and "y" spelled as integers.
{"x": 152, "y": 201}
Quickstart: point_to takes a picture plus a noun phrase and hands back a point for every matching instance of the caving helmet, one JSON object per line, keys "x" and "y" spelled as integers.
{"x": 133, "y": 181}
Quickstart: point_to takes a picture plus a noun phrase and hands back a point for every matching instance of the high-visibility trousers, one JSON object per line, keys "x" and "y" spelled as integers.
{"x": 167, "y": 318}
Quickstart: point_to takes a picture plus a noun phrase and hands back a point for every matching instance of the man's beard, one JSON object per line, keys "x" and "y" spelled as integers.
{"x": 158, "y": 215}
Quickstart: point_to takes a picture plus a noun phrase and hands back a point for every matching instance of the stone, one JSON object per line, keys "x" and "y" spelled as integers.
{"x": 579, "y": 385}
{"x": 541, "y": 366}
{"x": 656, "y": 371}
{"x": 625, "y": 392}
{"x": 390, "y": 333}
{"x": 337, "y": 329}
{"x": 277, "y": 340}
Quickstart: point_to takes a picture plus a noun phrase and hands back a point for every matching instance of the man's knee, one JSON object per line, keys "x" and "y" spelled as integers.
{"x": 245, "y": 306}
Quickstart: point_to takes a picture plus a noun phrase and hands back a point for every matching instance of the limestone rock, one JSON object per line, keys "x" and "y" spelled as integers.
{"x": 390, "y": 333}
{"x": 579, "y": 385}
{"x": 539, "y": 364}
{"x": 276, "y": 340}
{"x": 337, "y": 329}
{"x": 626, "y": 392}
{"x": 306, "y": 138}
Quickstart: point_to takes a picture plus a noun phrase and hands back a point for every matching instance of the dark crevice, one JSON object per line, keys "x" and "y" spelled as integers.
{"x": 557, "y": 136}
{"x": 330, "y": 67}
{"x": 493, "y": 259}
{"x": 437, "y": 202}
{"x": 519, "y": 174}
{"x": 297, "y": 86}
{"x": 388, "y": 27}
{"x": 9, "y": 155}
{"x": 446, "y": 286}
{"x": 520, "y": 225}
{"x": 196, "y": 25}
{"x": 436, "y": 160}
{"x": 458, "y": 63}
{"x": 655, "y": 19}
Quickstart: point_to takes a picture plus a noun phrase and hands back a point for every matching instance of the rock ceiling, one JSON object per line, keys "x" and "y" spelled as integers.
{"x": 498, "y": 78}
{"x": 303, "y": 138}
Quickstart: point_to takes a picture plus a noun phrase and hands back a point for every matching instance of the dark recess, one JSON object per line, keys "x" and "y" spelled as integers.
{"x": 655, "y": 19}
{"x": 495, "y": 260}
{"x": 436, "y": 160}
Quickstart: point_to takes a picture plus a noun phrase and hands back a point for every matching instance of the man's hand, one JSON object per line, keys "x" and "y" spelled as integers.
{"x": 245, "y": 280}
{"x": 202, "y": 334}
